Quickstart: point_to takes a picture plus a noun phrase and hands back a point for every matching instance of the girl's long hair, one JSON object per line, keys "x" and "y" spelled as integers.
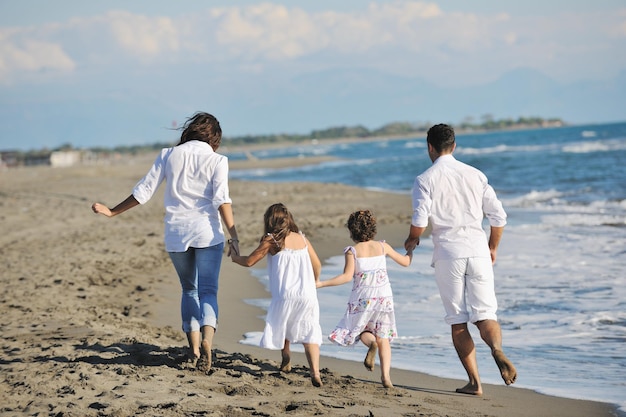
{"x": 278, "y": 223}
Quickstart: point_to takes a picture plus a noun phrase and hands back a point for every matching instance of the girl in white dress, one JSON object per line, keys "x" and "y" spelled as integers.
{"x": 370, "y": 316}
{"x": 293, "y": 269}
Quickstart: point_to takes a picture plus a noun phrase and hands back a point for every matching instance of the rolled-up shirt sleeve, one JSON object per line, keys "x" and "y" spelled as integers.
{"x": 421, "y": 204}
{"x": 221, "y": 194}
{"x": 147, "y": 186}
{"x": 492, "y": 207}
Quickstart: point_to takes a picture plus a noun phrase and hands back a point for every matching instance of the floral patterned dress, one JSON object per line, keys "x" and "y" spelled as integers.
{"x": 370, "y": 307}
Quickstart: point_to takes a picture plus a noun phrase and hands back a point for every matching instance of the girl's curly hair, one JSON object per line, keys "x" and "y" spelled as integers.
{"x": 362, "y": 226}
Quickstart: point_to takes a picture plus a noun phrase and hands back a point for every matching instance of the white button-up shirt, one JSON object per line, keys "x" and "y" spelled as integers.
{"x": 455, "y": 197}
{"x": 196, "y": 181}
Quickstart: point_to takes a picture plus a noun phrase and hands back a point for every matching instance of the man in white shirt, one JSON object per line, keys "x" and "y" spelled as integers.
{"x": 454, "y": 197}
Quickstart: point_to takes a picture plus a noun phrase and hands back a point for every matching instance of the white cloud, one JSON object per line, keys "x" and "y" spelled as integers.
{"x": 30, "y": 55}
{"x": 267, "y": 31}
{"x": 406, "y": 37}
{"x": 147, "y": 37}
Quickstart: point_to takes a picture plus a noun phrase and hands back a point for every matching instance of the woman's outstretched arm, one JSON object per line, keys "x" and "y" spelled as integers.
{"x": 127, "y": 204}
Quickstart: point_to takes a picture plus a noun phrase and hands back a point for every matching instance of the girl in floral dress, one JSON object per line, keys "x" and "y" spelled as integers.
{"x": 370, "y": 316}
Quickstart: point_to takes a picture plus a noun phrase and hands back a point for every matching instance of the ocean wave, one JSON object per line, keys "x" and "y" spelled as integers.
{"x": 460, "y": 150}
{"x": 595, "y": 146}
{"x": 534, "y": 197}
{"x": 415, "y": 144}
{"x": 569, "y": 209}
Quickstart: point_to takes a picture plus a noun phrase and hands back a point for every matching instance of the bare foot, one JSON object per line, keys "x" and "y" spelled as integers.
{"x": 204, "y": 362}
{"x": 192, "y": 359}
{"x": 470, "y": 389}
{"x": 370, "y": 357}
{"x": 507, "y": 370}
{"x": 316, "y": 380}
{"x": 285, "y": 365}
{"x": 386, "y": 383}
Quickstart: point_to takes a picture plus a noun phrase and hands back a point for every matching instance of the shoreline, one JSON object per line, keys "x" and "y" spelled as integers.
{"x": 91, "y": 319}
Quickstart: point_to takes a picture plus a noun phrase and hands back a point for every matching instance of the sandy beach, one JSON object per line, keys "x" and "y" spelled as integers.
{"x": 90, "y": 310}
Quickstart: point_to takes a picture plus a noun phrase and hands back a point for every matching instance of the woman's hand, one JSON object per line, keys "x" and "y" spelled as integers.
{"x": 101, "y": 209}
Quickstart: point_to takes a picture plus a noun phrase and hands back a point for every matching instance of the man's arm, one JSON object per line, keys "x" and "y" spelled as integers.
{"x": 494, "y": 240}
{"x": 414, "y": 238}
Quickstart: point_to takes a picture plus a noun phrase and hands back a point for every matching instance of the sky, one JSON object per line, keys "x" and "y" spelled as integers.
{"x": 110, "y": 73}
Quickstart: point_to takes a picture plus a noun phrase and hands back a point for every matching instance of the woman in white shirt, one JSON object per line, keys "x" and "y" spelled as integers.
{"x": 196, "y": 203}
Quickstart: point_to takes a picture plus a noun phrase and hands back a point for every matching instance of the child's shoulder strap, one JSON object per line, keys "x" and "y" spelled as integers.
{"x": 303, "y": 238}
{"x": 351, "y": 249}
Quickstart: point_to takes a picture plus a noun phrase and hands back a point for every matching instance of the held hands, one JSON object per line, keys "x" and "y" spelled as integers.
{"x": 233, "y": 248}
{"x": 410, "y": 244}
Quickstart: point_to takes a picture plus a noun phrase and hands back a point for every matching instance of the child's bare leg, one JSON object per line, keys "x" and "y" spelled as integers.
{"x": 384, "y": 355}
{"x": 285, "y": 365}
{"x": 312, "y": 352}
{"x": 369, "y": 340}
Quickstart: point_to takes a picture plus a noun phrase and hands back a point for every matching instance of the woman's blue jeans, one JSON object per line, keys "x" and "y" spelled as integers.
{"x": 198, "y": 270}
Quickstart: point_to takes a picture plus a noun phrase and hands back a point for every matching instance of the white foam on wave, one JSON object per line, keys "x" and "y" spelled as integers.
{"x": 584, "y": 219}
{"x": 557, "y": 211}
{"x": 608, "y": 145}
{"x": 461, "y": 150}
{"x": 532, "y": 198}
{"x": 415, "y": 144}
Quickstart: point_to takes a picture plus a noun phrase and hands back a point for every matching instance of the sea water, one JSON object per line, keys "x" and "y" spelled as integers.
{"x": 561, "y": 267}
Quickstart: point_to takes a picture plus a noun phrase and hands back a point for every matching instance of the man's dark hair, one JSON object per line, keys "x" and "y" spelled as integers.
{"x": 441, "y": 137}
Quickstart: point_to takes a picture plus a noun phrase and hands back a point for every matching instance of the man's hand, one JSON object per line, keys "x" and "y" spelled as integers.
{"x": 410, "y": 243}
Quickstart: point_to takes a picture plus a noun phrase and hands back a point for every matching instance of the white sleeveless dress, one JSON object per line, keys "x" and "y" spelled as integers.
{"x": 294, "y": 312}
{"x": 370, "y": 307}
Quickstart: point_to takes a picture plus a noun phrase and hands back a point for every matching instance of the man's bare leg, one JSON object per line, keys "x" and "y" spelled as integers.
{"x": 491, "y": 333}
{"x": 464, "y": 345}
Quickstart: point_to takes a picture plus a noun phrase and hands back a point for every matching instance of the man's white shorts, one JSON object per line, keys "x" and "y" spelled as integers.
{"x": 467, "y": 290}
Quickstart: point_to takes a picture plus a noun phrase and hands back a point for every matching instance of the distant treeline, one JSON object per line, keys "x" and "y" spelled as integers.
{"x": 395, "y": 129}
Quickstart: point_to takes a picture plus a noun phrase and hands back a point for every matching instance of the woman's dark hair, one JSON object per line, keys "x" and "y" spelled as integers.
{"x": 278, "y": 223}
{"x": 362, "y": 226}
{"x": 203, "y": 127}
{"x": 441, "y": 137}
